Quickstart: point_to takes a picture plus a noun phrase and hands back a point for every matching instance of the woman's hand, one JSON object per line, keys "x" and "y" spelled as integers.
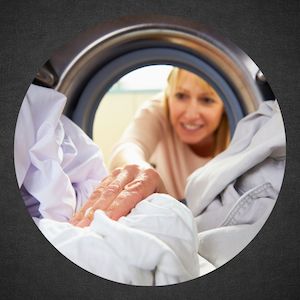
{"x": 118, "y": 193}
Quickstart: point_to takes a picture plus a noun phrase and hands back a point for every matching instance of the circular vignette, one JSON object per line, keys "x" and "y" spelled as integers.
{"x": 239, "y": 187}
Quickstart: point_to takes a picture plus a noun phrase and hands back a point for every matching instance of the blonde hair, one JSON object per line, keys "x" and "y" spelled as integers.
{"x": 222, "y": 134}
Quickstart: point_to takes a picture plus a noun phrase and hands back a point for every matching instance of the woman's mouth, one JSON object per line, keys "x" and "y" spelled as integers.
{"x": 191, "y": 127}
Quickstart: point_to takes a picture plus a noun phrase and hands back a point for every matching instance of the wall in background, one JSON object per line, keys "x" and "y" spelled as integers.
{"x": 114, "y": 113}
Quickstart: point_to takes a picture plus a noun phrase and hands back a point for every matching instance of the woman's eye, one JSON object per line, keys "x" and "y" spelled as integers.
{"x": 180, "y": 96}
{"x": 207, "y": 100}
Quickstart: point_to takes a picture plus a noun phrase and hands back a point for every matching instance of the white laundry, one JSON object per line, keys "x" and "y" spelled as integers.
{"x": 232, "y": 196}
{"x": 57, "y": 167}
{"x": 53, "y": 157}
{"x": 159, "y": 242}
{"x": 156, "y": 244}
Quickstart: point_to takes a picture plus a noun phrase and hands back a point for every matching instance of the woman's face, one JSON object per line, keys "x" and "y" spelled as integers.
{"x": 195, "y": 109}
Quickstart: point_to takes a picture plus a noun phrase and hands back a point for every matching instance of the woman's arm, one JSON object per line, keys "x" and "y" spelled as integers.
{"x": 132, "y": 177}
{"x": 128, "y": 153}
{"x": 141, "y": 137}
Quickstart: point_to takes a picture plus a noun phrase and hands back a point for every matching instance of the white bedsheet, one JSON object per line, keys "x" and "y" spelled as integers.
{"x": 156, "y": 244}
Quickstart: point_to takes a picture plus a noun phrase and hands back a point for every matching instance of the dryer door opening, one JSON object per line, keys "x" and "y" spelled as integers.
{"x": 86, "y": 68}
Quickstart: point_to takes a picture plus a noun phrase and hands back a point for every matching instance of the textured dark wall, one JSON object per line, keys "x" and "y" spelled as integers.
{"x": 268, "y": 31}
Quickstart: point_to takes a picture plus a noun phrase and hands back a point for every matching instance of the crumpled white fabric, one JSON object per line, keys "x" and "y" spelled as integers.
{"x": 156, "y": 244}
{"x": 57, "y": 167}
{"x": 232, "y": 196}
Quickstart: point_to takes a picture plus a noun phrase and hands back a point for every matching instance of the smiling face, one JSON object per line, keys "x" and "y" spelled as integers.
{"x": 195, "y": 110}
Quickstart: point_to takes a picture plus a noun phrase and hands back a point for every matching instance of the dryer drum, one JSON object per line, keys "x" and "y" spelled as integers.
{"x": 89, "y": 65}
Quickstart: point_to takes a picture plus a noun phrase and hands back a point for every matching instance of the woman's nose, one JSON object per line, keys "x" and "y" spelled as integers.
{"x": 192, "y": 110}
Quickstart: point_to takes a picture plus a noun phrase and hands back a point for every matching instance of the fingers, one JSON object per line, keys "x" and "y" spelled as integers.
{"x": 105, "y": 194}
{"x": 114, "y": 188}
{"x": 80, "y": 214}
{"x": 123, "y": 204}
{"x": 94, "y": 197}
{"x": 87, "y": 219}
{"x": 144, "y": 185}
{"x": 119, "y": 193}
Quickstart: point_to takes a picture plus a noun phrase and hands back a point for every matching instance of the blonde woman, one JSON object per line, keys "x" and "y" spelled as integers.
{"x": 168, "y": 139}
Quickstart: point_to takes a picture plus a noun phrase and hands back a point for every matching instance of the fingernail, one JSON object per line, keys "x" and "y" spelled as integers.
{"x": 109, "y": 213}
{"x": 84, "y": 223}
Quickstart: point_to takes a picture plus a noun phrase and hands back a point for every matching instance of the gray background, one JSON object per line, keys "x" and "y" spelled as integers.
{"x": 268, "y": 31}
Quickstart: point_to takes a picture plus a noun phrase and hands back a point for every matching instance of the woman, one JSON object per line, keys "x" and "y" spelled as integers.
{"x": 176, "y": 135}
{"x": 167, "y": 140}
